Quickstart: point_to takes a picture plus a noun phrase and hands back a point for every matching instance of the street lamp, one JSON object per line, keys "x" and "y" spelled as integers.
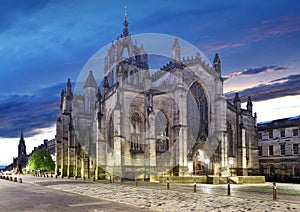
{"x": 207, "y": 162}
{"x": 231, "y": 162}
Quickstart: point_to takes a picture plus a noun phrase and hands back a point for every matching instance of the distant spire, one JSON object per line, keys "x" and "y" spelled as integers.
{"x": 22, "y": 136}
{"x": 125, "y": 30}
{"x": 22, "y": 147}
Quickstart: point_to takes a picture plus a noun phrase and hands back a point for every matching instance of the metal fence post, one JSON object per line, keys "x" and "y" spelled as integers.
{"x": 274, "y": 191}
{"x": 168, "y": 183}
{"x": 228, "y": 188}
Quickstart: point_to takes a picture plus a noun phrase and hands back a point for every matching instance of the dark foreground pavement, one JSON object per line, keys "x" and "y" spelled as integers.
{"x": 28, "y": 197}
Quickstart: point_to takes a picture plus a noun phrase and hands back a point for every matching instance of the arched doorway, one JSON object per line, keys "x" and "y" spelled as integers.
{"x": 199, "y": 164}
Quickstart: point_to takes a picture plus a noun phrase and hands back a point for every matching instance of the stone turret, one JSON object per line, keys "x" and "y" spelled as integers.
{"x": 67, "y": 98}
{"x": 249, "y": 105}
{"x": 217, "y": 64}
{"x": 237, "y": 102}
{"x": 90, "y": 89}
{"x": 176, "y": 50}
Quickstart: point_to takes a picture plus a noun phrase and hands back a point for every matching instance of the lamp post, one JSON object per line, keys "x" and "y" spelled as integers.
{"x": 231, "y": 162}
{"x": 207, "y": 162}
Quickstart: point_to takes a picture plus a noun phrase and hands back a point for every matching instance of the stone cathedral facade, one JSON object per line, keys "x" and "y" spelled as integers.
{"x": 140, "y": 124}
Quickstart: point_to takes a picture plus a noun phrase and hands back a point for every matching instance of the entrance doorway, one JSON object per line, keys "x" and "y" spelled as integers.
{"x": 199, "y": 164}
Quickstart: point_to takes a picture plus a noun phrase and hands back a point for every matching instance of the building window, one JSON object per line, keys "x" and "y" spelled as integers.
{"x": 271, "y": 134}
{"x": 282, "y": 133}
{"x": 271, "y": 171}
{"x": 270, "y": 150}
{"x": 296, "y": 149}
{"x": 136, "y": 124}
{"x": 260, "y": 151}
{"x": 296, "y": 171}
{"x": 230, "y": 139}
{"x": 161, "y": 132}
{"x": 259, "y": 135}
{"x": 295, "y": 132}
{"x": 197, "y": 113}
{"x": 282, "y": 149}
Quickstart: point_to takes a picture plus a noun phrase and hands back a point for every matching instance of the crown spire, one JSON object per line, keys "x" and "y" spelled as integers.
{"x": 125, "y": 30}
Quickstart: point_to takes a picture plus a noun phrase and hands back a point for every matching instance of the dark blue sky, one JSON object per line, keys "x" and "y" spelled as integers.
{"x": 43, "y": 43}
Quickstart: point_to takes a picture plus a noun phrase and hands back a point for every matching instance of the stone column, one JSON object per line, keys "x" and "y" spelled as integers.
{"x": 117, "y": 169}
{"x": 152, "y": 146}
{"x": 71, "y": 158}
{"x": 182, "y": 137}
{"x": 244, "y": 154}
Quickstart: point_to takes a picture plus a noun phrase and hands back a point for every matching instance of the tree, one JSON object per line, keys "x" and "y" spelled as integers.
{"x": 41, "y": 160}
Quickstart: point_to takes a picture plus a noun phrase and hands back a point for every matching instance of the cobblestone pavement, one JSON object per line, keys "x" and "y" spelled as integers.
{"x": 181, "y": 197}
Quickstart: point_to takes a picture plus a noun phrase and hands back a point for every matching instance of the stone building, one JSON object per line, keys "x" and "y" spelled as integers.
{"x": 20, "y": 162}
{"x": 278, "y": 144}
{"x": 140, "y": 124}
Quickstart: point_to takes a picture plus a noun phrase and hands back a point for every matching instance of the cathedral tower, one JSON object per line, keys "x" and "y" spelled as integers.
{"x": 22, "y": 156}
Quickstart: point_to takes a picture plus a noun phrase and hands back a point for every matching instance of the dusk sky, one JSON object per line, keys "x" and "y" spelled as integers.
{"x": 43, "y": 43}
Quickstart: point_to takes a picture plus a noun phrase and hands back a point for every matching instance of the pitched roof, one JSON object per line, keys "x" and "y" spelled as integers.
{"x": 90, "y": 82}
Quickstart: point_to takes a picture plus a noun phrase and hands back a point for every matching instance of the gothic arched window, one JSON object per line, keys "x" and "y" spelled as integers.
{"x": 111, "y": 132}
{"x": 136, "y": 128}
{"x": 197, "y": 112}
{"x": 161, "y": 132}
{"x": 230, "y": 139}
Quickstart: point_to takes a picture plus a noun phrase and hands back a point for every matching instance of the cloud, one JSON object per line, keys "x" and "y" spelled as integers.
{"x": 286, "y": 86}
{"x": 277, "y": 26}
{"x": 224, "y": 46}
{"x": 254, "y": 71}
{"x": 29, "y": 113}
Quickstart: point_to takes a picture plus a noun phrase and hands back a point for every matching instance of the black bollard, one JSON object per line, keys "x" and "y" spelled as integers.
{"x": 195, "y": 186}
{"x": 109, "y": 179}
{"x": 228, "y": 190}
{"x": 168, "y": 183}
{"x": 274, "y": 191}
{"x": 135, "y": 182}
{"x": 20, "y": 180}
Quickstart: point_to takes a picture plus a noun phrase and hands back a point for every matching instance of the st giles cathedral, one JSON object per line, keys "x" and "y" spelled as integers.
{"x": 137, "y": 123}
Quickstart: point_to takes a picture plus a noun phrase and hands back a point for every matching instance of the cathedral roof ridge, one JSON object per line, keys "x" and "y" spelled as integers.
{"x": 197, "y": 59}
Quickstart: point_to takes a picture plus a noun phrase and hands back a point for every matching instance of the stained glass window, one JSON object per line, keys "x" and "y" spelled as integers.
{"x": 197, "y": 112}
